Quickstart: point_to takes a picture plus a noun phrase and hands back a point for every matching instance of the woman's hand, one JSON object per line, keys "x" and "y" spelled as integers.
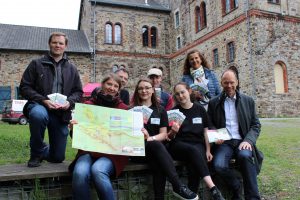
{"x": 146, "y": 134}
{"x": 209, "y": 156}
{"x": 219, "y": 141}
{"x": 174, "y": 130}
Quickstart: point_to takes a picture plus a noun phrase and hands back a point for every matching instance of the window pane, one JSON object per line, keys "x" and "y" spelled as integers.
{"x": 176, "y": 19}
{"x": 108, "y": 33}
{"x": 198, "y": 19}
{"x": 227, "y": 6}
{"x": 279, "y": 79}
{"x": 231, "y": 51}
{"x": 145, "y": 36}
{"x": 118, "y": 35}
{"x": 216, "y": 57}
{"x": 178, "y": 43}
{"x": 236, "y": 3}
{"x": 153, "y": 37}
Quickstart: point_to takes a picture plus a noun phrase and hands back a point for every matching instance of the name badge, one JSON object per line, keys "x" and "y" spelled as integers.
{"x": 197, "y": 120}
{"x": 155, "y": 121}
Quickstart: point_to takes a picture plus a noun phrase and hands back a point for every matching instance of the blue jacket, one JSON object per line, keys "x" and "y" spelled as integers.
{"x": 213, "y": 83}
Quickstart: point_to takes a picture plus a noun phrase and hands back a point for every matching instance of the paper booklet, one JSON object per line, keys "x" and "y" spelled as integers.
{"x": 218, "y": 134}
{"x": 175, "y": 116}
{"x": 57, "y": 98}
{"x": 145, "y": 110}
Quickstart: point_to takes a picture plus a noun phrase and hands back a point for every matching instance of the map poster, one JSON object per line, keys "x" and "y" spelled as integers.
{"x": 108, "y": 130}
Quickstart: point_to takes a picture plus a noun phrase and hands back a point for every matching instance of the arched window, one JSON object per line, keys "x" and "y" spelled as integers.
{"x": 118, "y": 34}
{"x": 145, "y": 36}
{"x": 197, "y": 19}
{"x": 280, "y": 78}
{"x": 149, "y": 36}
{"x": 229, "y": 5}
{"x": 153, "y": 36}
{"x": 203, "y": 14}
{"x": 230, "y": 51}
{"x": 108, "y": 33}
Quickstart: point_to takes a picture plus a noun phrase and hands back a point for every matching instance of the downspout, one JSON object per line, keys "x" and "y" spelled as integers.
{"x": 250, "y": 51}
{"x": 94, "y": 45}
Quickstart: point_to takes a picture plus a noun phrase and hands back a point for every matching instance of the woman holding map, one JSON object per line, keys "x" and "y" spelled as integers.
{"x": 98, "y": 167}
{"x": 155, "y": 132}
{"x": 191, "y": 143}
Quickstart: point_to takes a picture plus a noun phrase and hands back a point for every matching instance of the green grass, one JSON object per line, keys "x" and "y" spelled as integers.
{"x": 279, "y": 141}
{"x": 14, "y": 143}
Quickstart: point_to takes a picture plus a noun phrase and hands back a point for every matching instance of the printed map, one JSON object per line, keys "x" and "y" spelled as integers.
{"x": 107, "y": 130}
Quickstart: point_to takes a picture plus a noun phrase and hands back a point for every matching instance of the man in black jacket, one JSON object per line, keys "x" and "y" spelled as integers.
{"x": 236, "y": 112}
{"x": 50, "y": 74}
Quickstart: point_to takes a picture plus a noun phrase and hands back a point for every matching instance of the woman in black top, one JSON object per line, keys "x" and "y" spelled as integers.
{"x": 191, "y": 143}
{"x": 155, "y": 132}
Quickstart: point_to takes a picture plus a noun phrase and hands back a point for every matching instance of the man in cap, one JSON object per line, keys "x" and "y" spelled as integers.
{"x": 166, "y": 100}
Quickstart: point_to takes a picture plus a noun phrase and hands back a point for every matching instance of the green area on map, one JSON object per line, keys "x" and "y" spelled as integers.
{"x": 107, "y": 130}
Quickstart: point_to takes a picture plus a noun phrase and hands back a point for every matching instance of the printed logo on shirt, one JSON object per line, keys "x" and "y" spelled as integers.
{"x": 155, "y": 120}
{"x": 197, "y": 120}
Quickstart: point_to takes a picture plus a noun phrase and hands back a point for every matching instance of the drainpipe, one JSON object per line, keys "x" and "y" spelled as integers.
{"x": 250, "y": 51}
{"x": 94, "y": 45}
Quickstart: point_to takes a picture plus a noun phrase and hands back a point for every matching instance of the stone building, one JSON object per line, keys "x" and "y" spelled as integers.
{"x": 258, "y": 37}
{"x": 261, "y": 38}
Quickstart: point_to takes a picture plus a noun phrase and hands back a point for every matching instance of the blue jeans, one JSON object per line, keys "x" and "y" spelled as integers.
{"x": 244, "y": 158}
{"x": 39, "y": 120}
{"x": 99, "y": 172}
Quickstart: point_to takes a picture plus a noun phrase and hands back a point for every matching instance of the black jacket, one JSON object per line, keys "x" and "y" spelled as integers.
{"x": 38, "y": 78}
{"x": 249, "y": 125}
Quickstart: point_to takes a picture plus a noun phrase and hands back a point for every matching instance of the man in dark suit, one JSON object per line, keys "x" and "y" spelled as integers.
{"x": 236, "y": 112}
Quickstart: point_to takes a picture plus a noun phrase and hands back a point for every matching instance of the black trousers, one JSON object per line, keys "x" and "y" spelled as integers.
{"x": 162, "y": 167}
{"x": 194, "y": 155}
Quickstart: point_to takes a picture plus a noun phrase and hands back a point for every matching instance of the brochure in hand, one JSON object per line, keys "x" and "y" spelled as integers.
{"x": 175, "y": 116}
{"x": 145, "y": 110}
{"x": 218, "y": 134}
{"x": 57, "y": 98}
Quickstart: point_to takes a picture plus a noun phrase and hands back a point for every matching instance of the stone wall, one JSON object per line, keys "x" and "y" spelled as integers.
{"x": 14, "y": 63}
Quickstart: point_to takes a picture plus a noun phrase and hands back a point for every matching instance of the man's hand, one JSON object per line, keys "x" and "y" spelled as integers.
{"x": 245, "y": 145}
{"x": 65, "y": 106}
{"x": 52, "y": 106}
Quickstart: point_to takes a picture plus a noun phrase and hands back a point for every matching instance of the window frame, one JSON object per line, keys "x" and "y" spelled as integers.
{"x": 177, "y": 18}
{"x": 231, "y": 51}
{"x": 216, "y": 60}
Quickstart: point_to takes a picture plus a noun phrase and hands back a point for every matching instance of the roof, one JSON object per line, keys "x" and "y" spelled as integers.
{"x": 139, "y": 4}
{"x": 31, "y": 38}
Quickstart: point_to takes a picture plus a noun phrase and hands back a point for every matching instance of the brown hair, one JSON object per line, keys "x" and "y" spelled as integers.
{"x": 58, "y": 34}
{"x": 136, "y": 99}
{"x": 192, "y": 96}
{"x": 113, "y": 77}
{"x": 187, "y": 66}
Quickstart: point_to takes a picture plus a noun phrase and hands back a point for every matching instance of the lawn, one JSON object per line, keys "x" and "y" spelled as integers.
{"x": 279, "y": 141}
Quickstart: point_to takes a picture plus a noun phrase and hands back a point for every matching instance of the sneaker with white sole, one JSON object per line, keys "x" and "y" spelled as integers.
{"x": 185, "y": 193}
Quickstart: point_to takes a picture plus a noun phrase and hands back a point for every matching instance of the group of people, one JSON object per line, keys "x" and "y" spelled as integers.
{"x": 198, "y": 97}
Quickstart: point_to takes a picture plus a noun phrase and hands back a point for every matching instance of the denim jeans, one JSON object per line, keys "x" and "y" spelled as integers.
{"x": 85, "y": 171}
{"x": 244, "y": 158}
{"x": 39, "y": 120}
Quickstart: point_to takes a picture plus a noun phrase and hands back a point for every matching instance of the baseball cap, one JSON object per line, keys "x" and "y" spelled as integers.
{"x": 154, "y": 71}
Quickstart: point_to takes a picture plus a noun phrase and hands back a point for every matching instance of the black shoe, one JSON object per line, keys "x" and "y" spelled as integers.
{"x": 216, "y": 194}
{"x": 185, "y": 193}
{"x": 34, "y": 161}
{"x": 236, "y": 195}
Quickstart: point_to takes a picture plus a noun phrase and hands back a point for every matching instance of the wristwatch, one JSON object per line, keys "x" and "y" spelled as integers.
{"x": 153, "y": 138}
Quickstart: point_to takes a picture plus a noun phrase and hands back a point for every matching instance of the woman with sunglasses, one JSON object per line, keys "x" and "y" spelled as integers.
{"x": 155, "y": 132}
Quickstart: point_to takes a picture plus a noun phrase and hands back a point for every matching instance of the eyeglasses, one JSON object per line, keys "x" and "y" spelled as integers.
{"x": 140, "y": 89}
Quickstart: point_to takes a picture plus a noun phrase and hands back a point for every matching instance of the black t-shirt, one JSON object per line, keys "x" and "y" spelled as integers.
{"x": 157, "y": 120}
{"x": 124, "y": 95}
{"x": 192, "y": 128}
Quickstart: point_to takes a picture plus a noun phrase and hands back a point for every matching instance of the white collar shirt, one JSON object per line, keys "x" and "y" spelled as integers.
{"x": 232, "y": 124}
